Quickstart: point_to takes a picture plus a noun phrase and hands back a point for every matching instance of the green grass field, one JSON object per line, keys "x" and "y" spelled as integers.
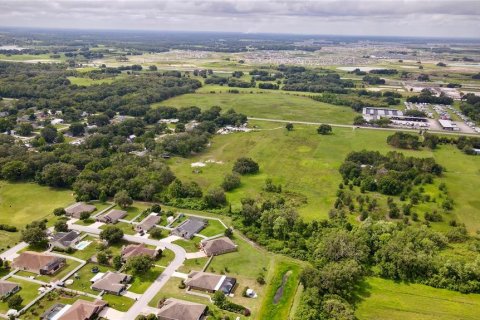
{"x": 306, "y": 165}
{"x": 385, "y": 299}
{"x": 88, "y": 82}
{"x": 214, "y": 228}
{"x": 22, "y": 203}
{"x": 28, "y": 291}
{"x": 281, "y": 309}
{"x": 142, "y": 282}
{"x": 267, "y": 105}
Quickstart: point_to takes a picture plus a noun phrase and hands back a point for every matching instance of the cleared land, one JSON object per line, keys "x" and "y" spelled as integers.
{"x": 267, "y": 105}
{"x": 22, "y": 203}
{"x": 306, "y": 164}
{"x": 385, "y": 299}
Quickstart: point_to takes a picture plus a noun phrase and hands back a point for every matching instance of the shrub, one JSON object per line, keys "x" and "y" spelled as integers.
{"x": 245, "y": 166}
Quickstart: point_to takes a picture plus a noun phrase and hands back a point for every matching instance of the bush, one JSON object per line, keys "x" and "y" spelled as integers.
{"x": 245, "y": 166}
{"x": 231, "y": 181}
{"x": 59, "y": 212}
{"x": 8, "y": 228}
{"x": 324, "y": 129}
{"x": 15, "y": 302}
{"x": 156, "y": 233}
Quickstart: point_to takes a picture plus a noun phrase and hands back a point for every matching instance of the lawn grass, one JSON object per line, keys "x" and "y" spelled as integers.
{"x": 140, "y": 283}
{"x": 247, "y": 261}
{"x": 69, "y": 266}
{"x": 213, "y": 228}
{"x": 79, "y": 81}
{"x": 267, "y": 105}
{"x": 82, "y": 283}
{"x": 171, "y": 290}
{"x": 166, "y": 258}
{"x": 34, "y": 312}
{"x": 127, "y": 228}
{"x": 28, "y": 291}
{"x": 386, "y": 299}
{"x": 22, "y": 203}
{"x": 188, "y": 245}
{"x": 306, "y": 165}
{"x": 120, "y": 303}
{"x": 281, "y": 309}
{"x": 190, "y": 265}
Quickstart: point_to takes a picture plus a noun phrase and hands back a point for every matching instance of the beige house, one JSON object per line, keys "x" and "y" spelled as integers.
{"x": 76, "y": 209}
{"x": 38, "y": 262}
{"x": 175, "y": 309}
{"x": 215, "y": 247}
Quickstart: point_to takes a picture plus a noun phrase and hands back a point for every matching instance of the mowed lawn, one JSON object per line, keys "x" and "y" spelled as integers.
{"x": 386, "y": 299}
{"x": 22, "y": 203}
{"x": 306, "y": 165}
{"x": 267, "y": 105}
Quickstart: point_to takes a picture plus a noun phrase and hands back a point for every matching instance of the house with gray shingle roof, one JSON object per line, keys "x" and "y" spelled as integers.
{"x": 175, "y": 309}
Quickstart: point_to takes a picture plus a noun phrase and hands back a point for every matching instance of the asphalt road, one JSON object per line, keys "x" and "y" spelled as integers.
{"x": 142, "y": 303}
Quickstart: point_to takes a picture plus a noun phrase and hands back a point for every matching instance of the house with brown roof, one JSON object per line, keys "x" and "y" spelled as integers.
{"x": 134, "y": 250}
{"x": 83, "y": 310}
{"x": 64, "y": 240}
{"x": 175, "y": 309}
{"x": 210, "y": 282}
{"x": 8, "y": 288}
{"x": 38, "y": 262}
{"x": 148, "y": 223}
{"x": 112, "y": 216}
{"x": 112, "y": 282}
{"x": 215, "y": 247}
{"x": 76, "y": 209}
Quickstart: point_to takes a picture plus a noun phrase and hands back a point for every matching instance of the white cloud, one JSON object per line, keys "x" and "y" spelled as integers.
{"x": 379, "y": 17}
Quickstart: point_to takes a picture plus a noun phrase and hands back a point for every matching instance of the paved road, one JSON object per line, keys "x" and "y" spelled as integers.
{"x": 12, "y": 252}
{"x": 360, "y": 128}
{"x": 142, "y": 303}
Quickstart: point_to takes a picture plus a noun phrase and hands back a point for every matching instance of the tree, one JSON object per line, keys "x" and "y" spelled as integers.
{"x": 59, "y": 212}
{"x": 15, "y": 302}
{"x": 324, "y": 129}
{"x": 245, "y": 165}
{"x": 117, "y": 262}
{"x": 156, "y": 233}
{"x": 49, "y": 133}
{"x": 123, "y": 199}
{"x": 103, "y": 196}
{"x": 289, "y": 126}
{"x": 102, "y": 258}
{"x": 231, "y": 181}
{"x": 35, "y": 237}
{"x": 139, "y": 264}
{"x": 77, "y": 129}
{"x": 61, "y": 175}
{"x": 215, "y": 198}
{"x": 152, "y": 68}
{"x": 14, "y": 170}
{"x": 61, "y": 225}
{"x": 84, "y": 216}
{"x": 111, "y": 234}
{"x": 228, "y": 233}
{"x": 25, "y": 129}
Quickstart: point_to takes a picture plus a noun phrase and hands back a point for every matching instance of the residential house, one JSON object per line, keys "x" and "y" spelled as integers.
{"x": 134, "y": 250}
{"x": 112, "y": 282}
{"x": 83, "y": 310}
{"x": 215, "y": 247}
{"x": 112, "y": 216}
{"x": 188, "y": 228}
{"x": 65, "y": 240}
{"x": 148, "y": 223}
{"x": 8, "y": 288}
{"x": 38, "y": 262}
{"x": 76, "y": 209}
{"x": 210, "y": 282}
{"x": 175, "y": 309}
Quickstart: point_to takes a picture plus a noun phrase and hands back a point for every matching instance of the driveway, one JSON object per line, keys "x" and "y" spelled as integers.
{"x": 11, "y": 253}
{"x": 195, "y": 255}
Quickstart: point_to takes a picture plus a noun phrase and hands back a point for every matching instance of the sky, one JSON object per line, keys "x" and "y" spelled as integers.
{"x": 433, "y": 18}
